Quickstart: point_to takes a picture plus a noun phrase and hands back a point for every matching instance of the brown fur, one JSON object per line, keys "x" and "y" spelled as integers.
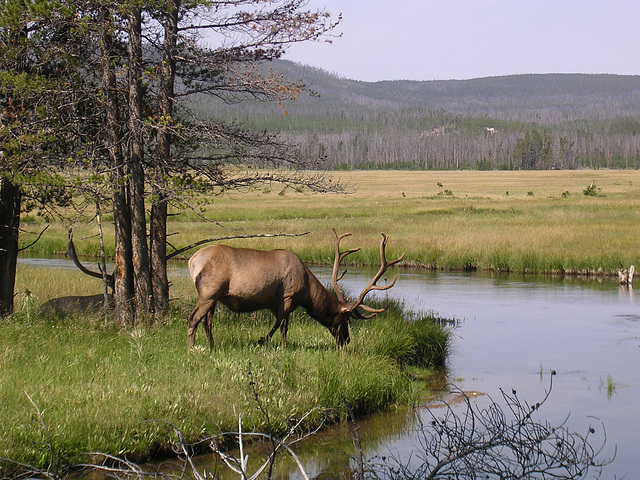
{"x": 247, "y": 280}
{"x": 64, "y": 306}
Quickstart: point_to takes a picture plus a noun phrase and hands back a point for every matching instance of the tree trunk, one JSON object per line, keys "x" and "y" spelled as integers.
{"x": 9, "y": 232}
{"x": 159, "y": 279}
{"x": 123, "y": 266}
{"x": 166, "y": 95}
{"x": 122, "y": 262}
{"x": 139, "y": 248}
{"x": 10, "y": 199}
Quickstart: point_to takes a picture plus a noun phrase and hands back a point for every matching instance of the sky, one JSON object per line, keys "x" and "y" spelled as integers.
{"x": 463, "y": 39}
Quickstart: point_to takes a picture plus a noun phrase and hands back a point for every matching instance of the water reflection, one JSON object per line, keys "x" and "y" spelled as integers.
{"x": 513, "y": 329}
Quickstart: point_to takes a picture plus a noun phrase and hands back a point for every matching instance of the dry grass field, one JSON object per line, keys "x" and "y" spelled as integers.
{"x": 538, "y": 221}
{"x": 529, "y": 220}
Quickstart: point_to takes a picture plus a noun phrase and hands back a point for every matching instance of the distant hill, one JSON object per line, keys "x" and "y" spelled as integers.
{"x": 515, "y": 95}
{"x": 576, "y": 120}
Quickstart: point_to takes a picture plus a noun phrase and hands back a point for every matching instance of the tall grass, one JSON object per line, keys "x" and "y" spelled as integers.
{"x": 478, "y": 226}
{"x": 96, "y": 386}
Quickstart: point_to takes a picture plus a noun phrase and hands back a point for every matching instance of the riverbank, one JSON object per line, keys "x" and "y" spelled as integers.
{"x": 78, "y": 386}
{"x": 75, "y": 385}
{"x": 517, "y": 221}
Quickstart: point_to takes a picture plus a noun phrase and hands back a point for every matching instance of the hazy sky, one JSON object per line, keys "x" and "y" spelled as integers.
{"x": 460, "y": 39}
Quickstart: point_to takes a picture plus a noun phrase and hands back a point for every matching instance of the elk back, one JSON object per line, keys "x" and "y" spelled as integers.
{"x": 64, "y": 306}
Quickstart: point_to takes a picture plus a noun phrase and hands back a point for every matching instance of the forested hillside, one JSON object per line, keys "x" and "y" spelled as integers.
{"x": 512, "y": 122}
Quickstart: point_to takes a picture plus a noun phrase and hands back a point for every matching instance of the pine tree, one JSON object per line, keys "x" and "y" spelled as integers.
{"x": 111, "y": 78}
{"x": 37, "y": 130}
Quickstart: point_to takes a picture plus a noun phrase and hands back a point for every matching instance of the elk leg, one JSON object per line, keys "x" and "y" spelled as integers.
{"x": 282, "y": 322}
{"x": 199, "y": 314}
{"x": 276, "y": 325}
{"x": 284, "y": 326}
{"x": 287, "y": 308}
{"x": 207, "y": 326}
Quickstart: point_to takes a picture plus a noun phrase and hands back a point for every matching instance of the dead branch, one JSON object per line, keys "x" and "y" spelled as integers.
{"x": 35, "y": 241}
{"x": 470, "y": 441}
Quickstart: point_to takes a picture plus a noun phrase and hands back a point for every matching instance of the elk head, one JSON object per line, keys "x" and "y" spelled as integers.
{"x": 349, "y": 310}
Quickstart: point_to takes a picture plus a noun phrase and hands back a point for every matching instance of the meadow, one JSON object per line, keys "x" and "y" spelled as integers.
{"x": 77, "y": 385}
{"x": 533, "y": 221}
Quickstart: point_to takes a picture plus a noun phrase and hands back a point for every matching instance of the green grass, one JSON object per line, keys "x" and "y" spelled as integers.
{"x": 610, "y": 386}
{"x": 96, "y": 387}
{"x": 557, "y": 229}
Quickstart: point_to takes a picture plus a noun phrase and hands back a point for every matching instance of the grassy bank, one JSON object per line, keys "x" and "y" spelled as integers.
{"x": 538, "y": 221}
{"x": 95, "y": 386}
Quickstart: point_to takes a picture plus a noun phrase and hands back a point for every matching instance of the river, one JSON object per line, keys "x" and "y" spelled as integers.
{"x": 513, "y": 330}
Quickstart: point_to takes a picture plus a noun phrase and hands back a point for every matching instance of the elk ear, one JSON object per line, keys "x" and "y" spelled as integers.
{"x": 345, "y": 309}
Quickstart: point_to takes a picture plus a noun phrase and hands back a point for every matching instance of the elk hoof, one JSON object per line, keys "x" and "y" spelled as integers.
{"x": 262, "y": 340}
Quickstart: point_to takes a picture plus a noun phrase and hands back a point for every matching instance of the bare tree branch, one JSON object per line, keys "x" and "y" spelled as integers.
{"x": 35, "y": 241}
{"x": 464, "y": 440}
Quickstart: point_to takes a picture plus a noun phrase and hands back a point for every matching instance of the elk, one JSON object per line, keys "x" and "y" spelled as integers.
{"x": 71, "y": 251}
{"x": 246, "y": 280}
{"x": 63, "y": 306}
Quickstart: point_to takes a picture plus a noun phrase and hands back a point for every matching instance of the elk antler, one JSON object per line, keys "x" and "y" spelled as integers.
{"x": 335, "y": 278}
{"x": 71, "y": 251}
{"x": 372, "y": 285}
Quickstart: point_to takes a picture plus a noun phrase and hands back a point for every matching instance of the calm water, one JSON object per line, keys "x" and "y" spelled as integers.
{"x": 511, "y": 329}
